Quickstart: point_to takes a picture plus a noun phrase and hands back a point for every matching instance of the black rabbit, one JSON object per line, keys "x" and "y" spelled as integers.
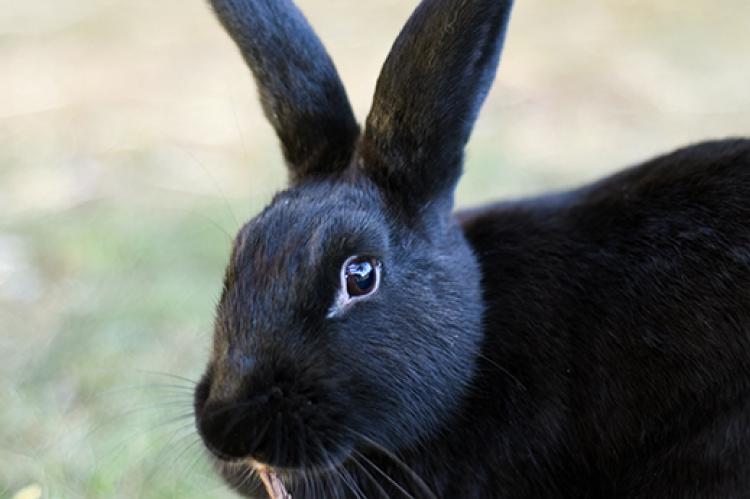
{"x": 370, "y": 343}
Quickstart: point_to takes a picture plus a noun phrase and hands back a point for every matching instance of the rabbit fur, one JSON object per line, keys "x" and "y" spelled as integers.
{"x": 589, "y": 343}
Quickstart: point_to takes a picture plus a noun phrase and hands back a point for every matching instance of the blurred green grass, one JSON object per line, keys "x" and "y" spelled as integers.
{"x": 126, "y": 292}
{"x": 132, "y": 148}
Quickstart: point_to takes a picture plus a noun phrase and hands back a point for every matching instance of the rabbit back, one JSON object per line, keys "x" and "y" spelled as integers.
{"x": 620, "y": 314}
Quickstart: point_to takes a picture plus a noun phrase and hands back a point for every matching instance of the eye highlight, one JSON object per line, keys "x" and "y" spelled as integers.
{"x": 361, "y": 275}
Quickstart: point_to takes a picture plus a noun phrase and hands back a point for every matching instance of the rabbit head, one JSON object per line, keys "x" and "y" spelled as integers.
{"x": 351, "y": 309}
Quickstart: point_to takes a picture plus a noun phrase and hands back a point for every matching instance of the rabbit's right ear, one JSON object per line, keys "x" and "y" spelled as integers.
{"x": 428, "y": 97}
{"x": 299, "y": 87}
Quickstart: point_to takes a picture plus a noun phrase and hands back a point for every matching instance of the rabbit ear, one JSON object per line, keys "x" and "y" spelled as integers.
{"x": 428, "y": 97}
{"x": 299, "y": 87}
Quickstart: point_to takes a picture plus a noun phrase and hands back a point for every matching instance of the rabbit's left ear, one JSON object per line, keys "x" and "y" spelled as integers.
{"x": 299, "y": 87}
{"x": 428, "y": 96}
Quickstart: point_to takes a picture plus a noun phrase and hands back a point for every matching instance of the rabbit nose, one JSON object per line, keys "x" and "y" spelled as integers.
{"x": 271, "y": 412}
{"x": 236, "y": 428}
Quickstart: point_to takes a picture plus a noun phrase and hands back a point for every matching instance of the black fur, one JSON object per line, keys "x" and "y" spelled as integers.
{"x": 299, "y": 87}
{"x": 590, "y": 343}
{"x": 428, "y": 97}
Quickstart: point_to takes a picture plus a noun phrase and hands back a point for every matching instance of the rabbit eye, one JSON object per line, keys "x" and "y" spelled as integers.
{"x": 360, "y": 277}
{"x": 361, "y": 274}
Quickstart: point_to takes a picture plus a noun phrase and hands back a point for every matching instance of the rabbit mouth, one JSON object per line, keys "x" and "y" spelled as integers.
{"x": 274, "y": 486}
{"x": 251, "y": 477}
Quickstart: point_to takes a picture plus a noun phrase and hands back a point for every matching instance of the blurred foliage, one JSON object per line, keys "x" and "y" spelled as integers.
{"x": 132, "y": 148}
